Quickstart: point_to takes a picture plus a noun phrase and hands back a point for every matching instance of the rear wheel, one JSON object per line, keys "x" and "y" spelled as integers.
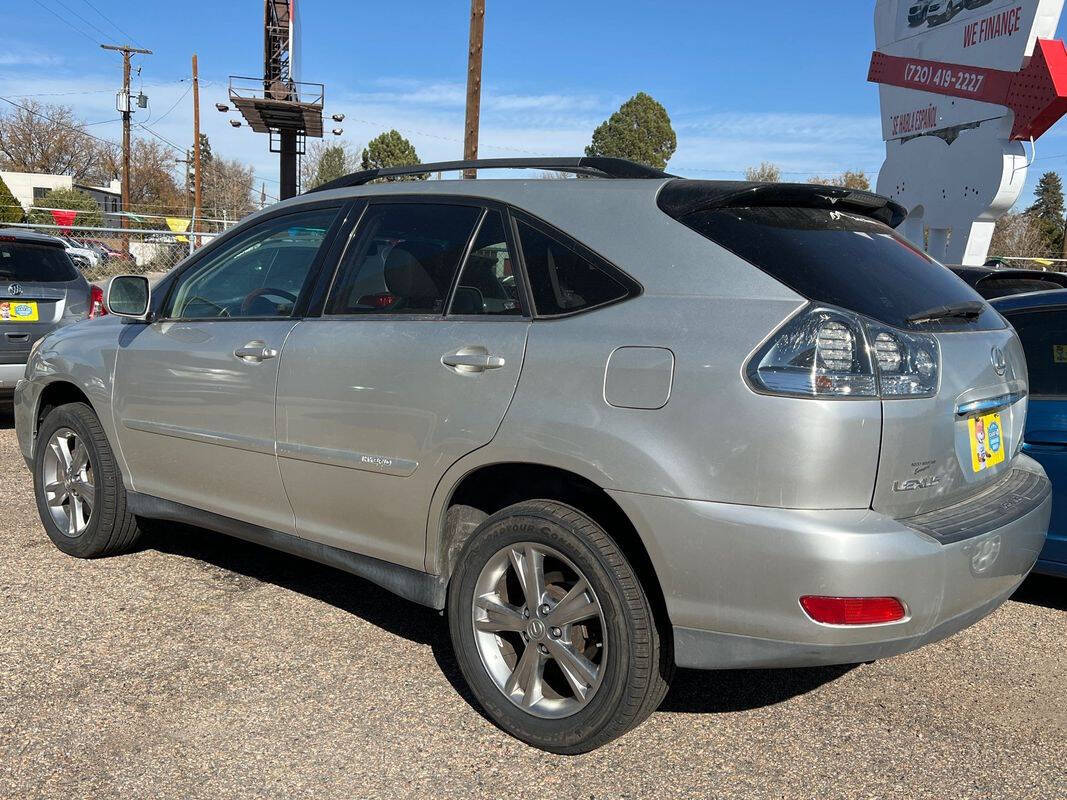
{"x": 553, "y": 630}
{"x": 78, "y": 488}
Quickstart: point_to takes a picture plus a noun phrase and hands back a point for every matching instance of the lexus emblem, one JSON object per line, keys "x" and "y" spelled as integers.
{"x": 996, "y": 356}
{"x": 14, "y": 290}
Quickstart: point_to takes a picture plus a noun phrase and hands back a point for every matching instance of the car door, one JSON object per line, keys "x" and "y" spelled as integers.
{"x": 195, "y": 389}
{"x": 1044, "y": 336}
{"x": 406, "y": 370}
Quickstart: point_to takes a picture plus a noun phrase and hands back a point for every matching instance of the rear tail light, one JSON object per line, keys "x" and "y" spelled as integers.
{"x": 852, "y": 610}
{"x": 96, "y": 302}
{"x": 828, "y": 352}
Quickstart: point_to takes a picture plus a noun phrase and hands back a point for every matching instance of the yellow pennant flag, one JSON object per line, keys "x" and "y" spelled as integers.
{"x": 178, "y": 225}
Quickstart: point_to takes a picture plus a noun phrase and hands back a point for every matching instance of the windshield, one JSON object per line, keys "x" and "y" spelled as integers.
{"x": 37, "y": 263}
{"x": 846, "y": 260}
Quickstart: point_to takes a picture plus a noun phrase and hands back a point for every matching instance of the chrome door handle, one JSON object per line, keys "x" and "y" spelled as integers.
{"x": 255, "y": 352}
{"x": 472, "y": 361}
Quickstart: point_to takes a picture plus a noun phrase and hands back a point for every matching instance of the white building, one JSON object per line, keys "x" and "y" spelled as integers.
{"x": 31, "y": 189}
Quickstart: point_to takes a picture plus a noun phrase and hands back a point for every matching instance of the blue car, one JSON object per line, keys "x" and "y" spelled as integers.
{"x": 1040, "y": 318}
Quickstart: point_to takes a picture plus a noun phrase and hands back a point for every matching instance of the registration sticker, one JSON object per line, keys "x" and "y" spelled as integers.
{"x": 987, "y": 441}
{"x": 18, "y": 312}
{"x": 1059, "y": 353}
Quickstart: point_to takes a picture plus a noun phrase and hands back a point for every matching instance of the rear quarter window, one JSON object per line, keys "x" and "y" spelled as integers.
{"x": 35, "y": 263}
{"x": 564, "y": 279}
{"x": 843, "y": 259}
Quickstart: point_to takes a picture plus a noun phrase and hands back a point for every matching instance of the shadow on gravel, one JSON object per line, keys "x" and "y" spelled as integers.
{"x": 7, "y": 417}
{"x": 1043, "y": 590}
{"x": 242, "y": 564}
{"x": 712, "y": 692}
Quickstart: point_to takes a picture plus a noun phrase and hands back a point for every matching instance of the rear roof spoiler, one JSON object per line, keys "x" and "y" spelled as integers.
{"x": 681, "y": 197}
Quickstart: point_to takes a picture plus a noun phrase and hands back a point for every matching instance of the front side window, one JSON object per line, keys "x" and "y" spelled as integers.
{"x": 402, "y": 259}
{"x": 487, "y": 283}
{"x": 562, "y": 280}
{"x": 259, "y": 274}
{"x": 1044, "y": 338}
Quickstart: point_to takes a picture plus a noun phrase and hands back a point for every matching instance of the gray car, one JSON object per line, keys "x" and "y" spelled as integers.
{"x": 40, "y": 290}
{"x": 608, "y": 426}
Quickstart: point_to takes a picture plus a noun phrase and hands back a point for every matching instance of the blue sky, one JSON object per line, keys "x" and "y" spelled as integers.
{"x": 778, "y": 80}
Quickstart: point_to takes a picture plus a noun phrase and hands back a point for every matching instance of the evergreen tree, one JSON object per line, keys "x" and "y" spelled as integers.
{"x": 10, "y": 208}
{"x": 1047, "y": 212}
{"x": 639, "y": 131}
{"x": 390, "y": 149}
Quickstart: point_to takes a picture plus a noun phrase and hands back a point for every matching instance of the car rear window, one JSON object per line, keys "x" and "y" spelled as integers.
{"x": 1002, "y": 287}
{"x": 36, "y": 263}
{"x": 1044, "y": 338}
{"x": 842, "y": 259}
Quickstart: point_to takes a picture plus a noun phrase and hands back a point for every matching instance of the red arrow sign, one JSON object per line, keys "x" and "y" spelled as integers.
{"x": 1037, "y": 93}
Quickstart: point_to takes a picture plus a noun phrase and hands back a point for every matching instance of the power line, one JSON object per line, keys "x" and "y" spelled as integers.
{"x": 111, "y": 22}
{"x": 67, "y": 22}
{"x": 164, "y": 116}
{"x": 103, "y": 33}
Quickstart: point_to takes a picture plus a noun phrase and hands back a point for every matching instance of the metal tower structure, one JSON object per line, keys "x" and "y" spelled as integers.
{"x": 277, "y": 104}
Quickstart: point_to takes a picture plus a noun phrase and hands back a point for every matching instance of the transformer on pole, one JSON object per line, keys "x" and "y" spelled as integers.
{"x": 277, "y": 104}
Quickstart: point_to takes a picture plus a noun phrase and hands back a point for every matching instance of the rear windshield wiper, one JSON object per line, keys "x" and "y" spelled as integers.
{"x": 968, "y": 309}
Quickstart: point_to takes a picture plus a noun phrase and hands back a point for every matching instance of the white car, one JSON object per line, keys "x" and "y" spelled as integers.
{"x": 75, "y": 249}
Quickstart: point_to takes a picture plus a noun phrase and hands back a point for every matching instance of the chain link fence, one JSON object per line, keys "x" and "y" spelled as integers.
{"x": 101, "y": 252}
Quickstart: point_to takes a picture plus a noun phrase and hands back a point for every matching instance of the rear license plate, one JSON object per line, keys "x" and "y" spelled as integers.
{"x": 18, "y": 312}
{"x": 987, "y": 441}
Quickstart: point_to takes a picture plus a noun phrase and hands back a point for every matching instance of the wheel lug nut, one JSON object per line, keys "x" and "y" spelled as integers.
{"x": 544, "y": 609}
{"x": 556, "y": 632}
{"x": 526, "y": 613}
{"x": 543, "y": 649}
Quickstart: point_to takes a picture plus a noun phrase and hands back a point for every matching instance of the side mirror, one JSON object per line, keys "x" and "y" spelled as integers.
{"x": 128, "y": 296}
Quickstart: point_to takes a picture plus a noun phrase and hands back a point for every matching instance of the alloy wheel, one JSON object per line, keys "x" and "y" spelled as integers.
{"x": 69, "y": 484}
{"x": 539, "y": 629}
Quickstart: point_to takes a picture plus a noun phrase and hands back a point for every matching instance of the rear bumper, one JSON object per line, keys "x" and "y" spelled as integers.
{"x": 732, "y": 577}
{"x": 10, "y": 374}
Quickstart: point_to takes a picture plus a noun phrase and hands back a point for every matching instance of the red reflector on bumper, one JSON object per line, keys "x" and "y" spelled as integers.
{"x": 852, "y": 610}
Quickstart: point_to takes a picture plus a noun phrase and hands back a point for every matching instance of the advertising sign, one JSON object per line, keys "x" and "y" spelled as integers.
{"x": 944, "y": 63}
{"x": 962, "y": 83}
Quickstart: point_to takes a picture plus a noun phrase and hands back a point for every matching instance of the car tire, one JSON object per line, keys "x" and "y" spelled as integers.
{"x": 78, "y": 487}
{"x": 547, "y": 697}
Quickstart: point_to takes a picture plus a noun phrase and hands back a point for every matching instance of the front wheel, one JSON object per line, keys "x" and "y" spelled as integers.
{"x": 553, "y": 630}
{"x": 77, "y": 484}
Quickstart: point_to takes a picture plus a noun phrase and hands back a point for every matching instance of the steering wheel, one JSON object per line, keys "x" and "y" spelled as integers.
{"x": 265, "y": 290}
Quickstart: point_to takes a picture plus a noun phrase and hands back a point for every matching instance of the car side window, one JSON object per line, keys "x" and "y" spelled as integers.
{"x": 487, "y": 283}
{"x": 259, "y": 274}
{"x": 1044, "y": 338}
{"x": 561, "y": 279}
{"x": 402, "y": 259}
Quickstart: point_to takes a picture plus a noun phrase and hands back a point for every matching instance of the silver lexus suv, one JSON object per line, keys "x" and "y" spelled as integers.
{"x": 609, "y": 425}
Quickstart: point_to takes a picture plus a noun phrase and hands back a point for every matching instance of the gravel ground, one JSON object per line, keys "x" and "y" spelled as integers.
{"x": 205, "y": 667}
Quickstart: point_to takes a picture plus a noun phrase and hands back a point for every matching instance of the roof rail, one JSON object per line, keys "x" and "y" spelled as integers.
{"x": 585, "y": 165}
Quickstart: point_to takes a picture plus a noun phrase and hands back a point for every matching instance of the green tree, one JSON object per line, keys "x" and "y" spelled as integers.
{"x": 390, "y": 149}
{"x": 639, "y": 131}
{"x": 1047, "y": 212}
{"x": 849, "y": 179}
{"x": 71, "y": 200}
{"x": 766, "y": 172}
{"x": 10, "y": 208}
{"x": 332, "y": 165}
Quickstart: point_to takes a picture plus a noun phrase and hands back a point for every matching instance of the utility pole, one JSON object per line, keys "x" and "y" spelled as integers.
{"x": 474, "y": 85}
{"x": 126, "y": 109}
{"x": 196, "y": 149}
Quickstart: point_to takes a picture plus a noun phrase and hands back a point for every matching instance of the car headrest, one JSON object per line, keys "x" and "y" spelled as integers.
{"x": 409, "y": 270}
